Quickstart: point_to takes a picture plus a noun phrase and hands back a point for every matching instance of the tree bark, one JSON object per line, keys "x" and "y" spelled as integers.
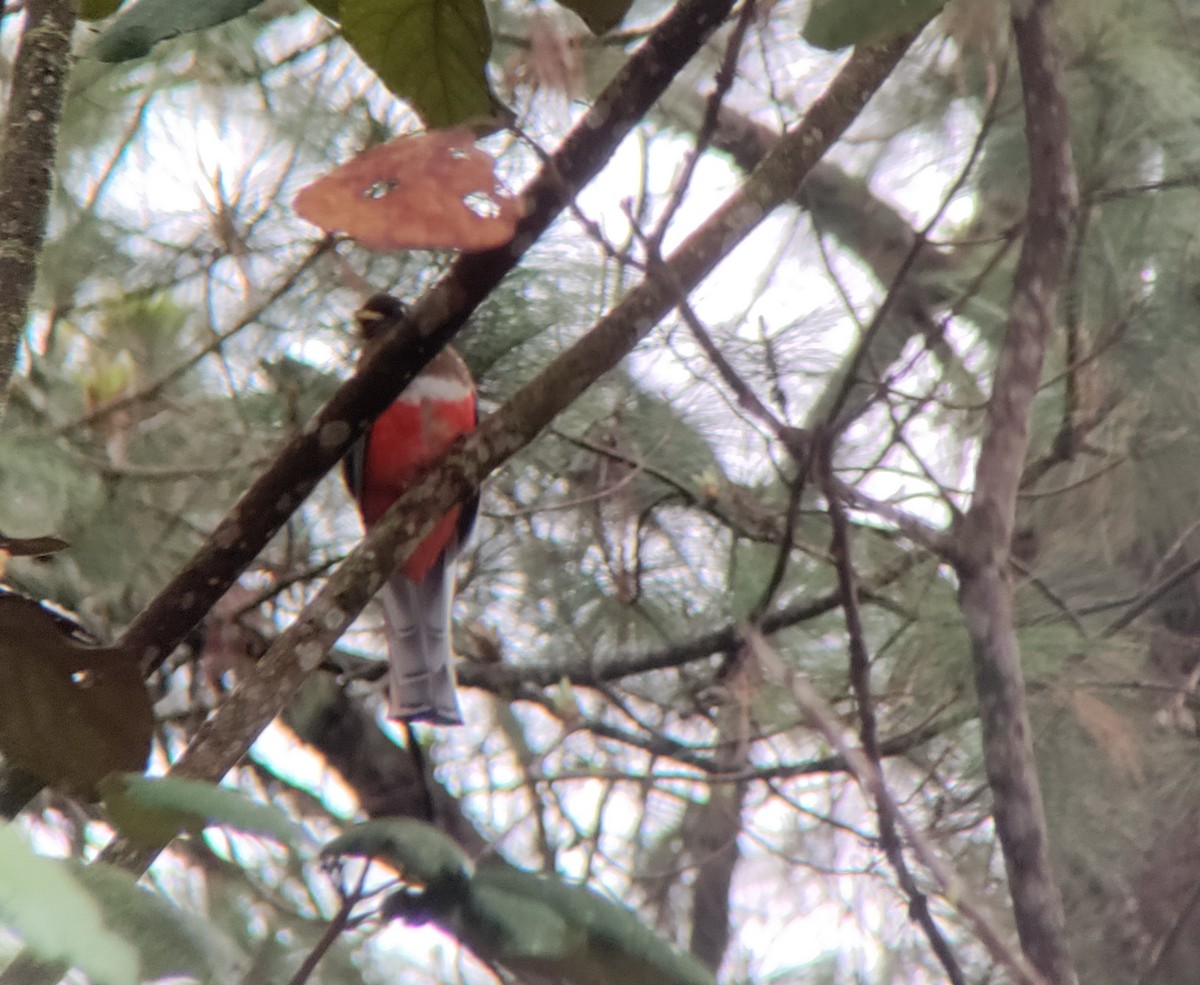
{"x": 224, "y": 738}
{"x": 28, "y": 146}
{"x": 983, "y": 540}
{"x": 713, "y": 843}
{"x": 280, "y": 490}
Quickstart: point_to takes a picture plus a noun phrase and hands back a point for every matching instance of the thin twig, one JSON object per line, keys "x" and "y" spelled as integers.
{"x": 825, "y": 721}
{"x": 588, "y": 672}
{"x": 332, "y": 932}
{"x": 834, "y": 418}
{"x": 712, "y": 114}
{"x": 860, "y": 683}
{"x": 783, "y": 555}
{"x": 1148, "y": 598}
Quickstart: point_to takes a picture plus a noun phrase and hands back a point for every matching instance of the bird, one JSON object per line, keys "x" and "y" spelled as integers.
{"x": 436, "y": 408}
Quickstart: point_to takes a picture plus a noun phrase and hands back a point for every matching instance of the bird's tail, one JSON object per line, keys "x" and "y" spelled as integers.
{"x": 421, "y": 685}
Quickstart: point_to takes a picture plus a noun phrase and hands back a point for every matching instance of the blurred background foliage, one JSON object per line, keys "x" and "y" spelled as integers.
{"x": 186, "y": 322}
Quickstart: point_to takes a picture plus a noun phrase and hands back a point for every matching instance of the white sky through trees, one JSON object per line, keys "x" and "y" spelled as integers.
{"x": 627, "y": 726}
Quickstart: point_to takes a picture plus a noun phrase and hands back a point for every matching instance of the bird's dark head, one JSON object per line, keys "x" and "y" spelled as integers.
{"x": 377, "y": 311}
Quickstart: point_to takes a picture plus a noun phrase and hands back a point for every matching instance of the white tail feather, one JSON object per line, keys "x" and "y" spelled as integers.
{"x": 421, "y": 685}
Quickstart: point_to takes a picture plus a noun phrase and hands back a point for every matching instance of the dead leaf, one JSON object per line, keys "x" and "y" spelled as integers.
{"x": 30, "y": 546}
{"x": 70, "y": 712}
{"x": 426, "y": 191}
{"x": 146, "y": 827}
{"x": 1110, "y": 730}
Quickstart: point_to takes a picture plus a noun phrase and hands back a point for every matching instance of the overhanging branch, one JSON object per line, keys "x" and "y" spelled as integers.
{"x": 223, "y": 739}
{"x": 301, "y": 464}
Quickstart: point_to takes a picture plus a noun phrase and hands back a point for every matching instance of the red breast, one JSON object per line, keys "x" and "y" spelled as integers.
{"x": 416, "y": 430}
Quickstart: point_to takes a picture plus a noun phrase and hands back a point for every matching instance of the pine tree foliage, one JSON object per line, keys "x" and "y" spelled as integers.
{"x": 625, "y": 730}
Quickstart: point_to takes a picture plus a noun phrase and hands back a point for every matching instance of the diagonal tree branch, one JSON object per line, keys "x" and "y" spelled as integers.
{"x": 223, "y": 739}
{"x": 264, "y": 507}
{"x": 919, "y": 278}
{"x": 983, "y": 540}
{"x": 303, "y": 461}
{"x": 28, "y": 146}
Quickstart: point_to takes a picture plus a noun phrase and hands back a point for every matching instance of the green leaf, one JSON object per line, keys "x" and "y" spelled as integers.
{"x": 95, "y": 10}
{"x": 599, "y": 15}
{"x": 56, "y": 917}
{"x": 419, "y": 852}
{"x": 169, "y": 941}
{"x": 530, "y": 923}
{"x": 541, "y": 925}
{"x": 152, "y": 811}
{"x": 330, "y": 8}
{"x": 142, "y": 26}
{"x": 70, "y": 713}
{"x": 834, "y": 24}
{"x": 431, "y": 53}
{"x": 510, "y": 924}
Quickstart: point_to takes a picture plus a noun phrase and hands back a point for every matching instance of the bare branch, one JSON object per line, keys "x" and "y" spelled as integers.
{"x": 860, "y": 683}
{"x": 724, "y": 82}
{"x": 984, "y": 537}
{"x": 505, "y": 678}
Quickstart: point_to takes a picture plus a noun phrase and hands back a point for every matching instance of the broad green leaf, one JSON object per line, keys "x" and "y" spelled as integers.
{"x": 834, "y": 24}
{"x": 541, "y": 925}
{"x": 527, "y": 922}
{"x": 70, "y": 713}
{"x": 599, "y": 15}
{"x": 511, "y": 924}
{"x": 419, "y": 852}
{"x": 152, "y": 811}
{"x": 95, "y": 10}
{"x": 431, "y": 53}
{"x": 147, "y": 22}
{"x": 55, "y": 916}
{"x": 330, "y": 8}
{"x": 169, "y": 941}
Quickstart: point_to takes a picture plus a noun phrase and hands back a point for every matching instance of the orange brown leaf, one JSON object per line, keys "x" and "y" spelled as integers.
{"x": 426, "y": 191}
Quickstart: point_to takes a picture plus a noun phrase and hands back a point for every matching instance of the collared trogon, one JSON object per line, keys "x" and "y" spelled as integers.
{"x": 418, "y": 427}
